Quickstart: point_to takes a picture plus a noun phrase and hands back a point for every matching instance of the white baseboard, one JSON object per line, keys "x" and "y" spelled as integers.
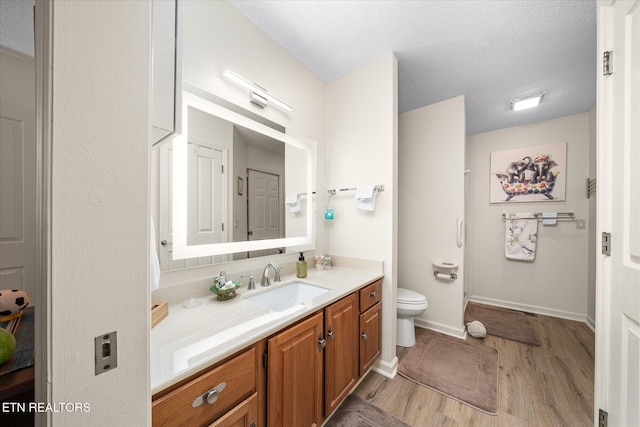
{"x": 578, "y": 317}
{"x": 591, "y": 323}
{"x": 386, "y": 369}
{"x": 439, "y": 327}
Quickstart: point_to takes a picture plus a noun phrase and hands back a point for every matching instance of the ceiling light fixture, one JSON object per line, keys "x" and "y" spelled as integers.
{"x": 259, "y": 96}
{"x": 527, "y": 101}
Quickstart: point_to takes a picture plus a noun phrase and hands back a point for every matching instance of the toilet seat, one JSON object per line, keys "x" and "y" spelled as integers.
{"x": 409, "y": 297}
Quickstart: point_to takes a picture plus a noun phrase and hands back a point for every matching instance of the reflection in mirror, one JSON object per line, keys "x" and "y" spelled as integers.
{"x": 231, "y": 177}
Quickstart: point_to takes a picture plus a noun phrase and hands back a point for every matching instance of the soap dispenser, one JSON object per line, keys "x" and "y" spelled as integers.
{"x": 301, "y": 267}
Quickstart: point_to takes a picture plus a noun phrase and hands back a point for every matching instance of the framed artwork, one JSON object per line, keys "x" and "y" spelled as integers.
{"x": 240, "y": 186}
{"x": 531, "y": 174}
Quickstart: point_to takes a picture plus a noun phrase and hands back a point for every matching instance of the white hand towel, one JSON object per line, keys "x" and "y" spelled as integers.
{"x": 291, "y": 198}
{"x": 549, "y": 218}
{"x": 365, "y": 192}
{"x": 366, "y": 197}
{"x": 293, "y": 201}
{"x": 520, "y": 237}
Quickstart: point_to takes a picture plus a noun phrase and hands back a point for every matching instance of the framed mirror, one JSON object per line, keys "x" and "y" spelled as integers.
{"x": 237, "y": 186}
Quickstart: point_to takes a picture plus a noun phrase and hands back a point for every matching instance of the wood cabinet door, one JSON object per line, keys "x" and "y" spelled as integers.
{"x": 295, "y": 375}
{"x": 370, "y": 337}
{"x": 243, "y": 415}
{"x": 341, "y": 352}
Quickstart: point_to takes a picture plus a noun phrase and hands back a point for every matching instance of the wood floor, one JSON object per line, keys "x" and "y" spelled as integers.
{"x": 547, "y": 386}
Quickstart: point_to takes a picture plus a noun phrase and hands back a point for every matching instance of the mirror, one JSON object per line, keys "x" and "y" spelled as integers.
{"x": 231, "y": 177}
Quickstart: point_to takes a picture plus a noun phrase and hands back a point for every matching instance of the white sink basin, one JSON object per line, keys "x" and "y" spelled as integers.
{"x": 287, "y": 296}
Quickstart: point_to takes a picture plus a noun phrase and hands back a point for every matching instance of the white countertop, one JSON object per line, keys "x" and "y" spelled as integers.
{"x": 190, "y": 339}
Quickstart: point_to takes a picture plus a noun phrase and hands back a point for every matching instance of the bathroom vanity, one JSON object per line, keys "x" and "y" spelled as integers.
{"x": 236, "y": 363}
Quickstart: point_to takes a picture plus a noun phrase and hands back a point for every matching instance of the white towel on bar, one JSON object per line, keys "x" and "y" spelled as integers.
{"x": 549, "y": 218}
{"x": 520, "y": 235}
{"x": 293, "y": 201}
{"x": 366, "y": 196}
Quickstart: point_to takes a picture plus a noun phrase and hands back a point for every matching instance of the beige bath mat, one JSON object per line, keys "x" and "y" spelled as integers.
{"x": 463, "y": 371}
{"x": 355, "y": 411}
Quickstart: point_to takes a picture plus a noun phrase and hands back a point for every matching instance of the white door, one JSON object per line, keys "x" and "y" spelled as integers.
{"x": 17, "y": 198}
{"x": 204, "y": 199}
{"x": 165, "y": 220}
{"x": 618, "y": 294}
{"x": 263, "y": 210}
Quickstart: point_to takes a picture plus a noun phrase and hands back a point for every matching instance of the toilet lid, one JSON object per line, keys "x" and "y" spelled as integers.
{"x": 408, "y": 296}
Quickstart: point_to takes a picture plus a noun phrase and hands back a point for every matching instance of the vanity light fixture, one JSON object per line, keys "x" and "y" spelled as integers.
{"x": 527, "y": 101}
{"x": 259, "y": 96}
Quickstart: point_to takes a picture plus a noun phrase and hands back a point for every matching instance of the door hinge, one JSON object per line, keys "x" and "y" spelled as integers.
{"x": 606, "y": 243}
{"x": 602, "y": 418}
{"x": 265, "y": 359}
{"x": 223, "y": 226}
{"x": 606, "y": 63}
{"x": 221, "y": 168}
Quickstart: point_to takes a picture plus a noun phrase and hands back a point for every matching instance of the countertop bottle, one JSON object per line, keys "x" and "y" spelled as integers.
{"x": 301, "y": 267}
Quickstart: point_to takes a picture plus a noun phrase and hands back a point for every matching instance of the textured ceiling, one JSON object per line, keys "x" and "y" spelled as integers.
{"x": 16, "y": 25}
{"x": 488, "y": 51}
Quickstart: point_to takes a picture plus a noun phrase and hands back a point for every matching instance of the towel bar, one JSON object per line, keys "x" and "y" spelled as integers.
{"x": 570, "y": 216}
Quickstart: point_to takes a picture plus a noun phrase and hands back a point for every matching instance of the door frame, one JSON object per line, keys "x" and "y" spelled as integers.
{"x": 43, "y": 37}
{"x": 603, "y": 218}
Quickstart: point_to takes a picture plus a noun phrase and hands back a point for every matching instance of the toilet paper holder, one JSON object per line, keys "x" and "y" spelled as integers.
{"x": 445, "y": 270}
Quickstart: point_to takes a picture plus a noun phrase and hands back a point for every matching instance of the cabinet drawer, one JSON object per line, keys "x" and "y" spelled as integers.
{"x": 370, "y": 295}
{"x": 176, "y": 408}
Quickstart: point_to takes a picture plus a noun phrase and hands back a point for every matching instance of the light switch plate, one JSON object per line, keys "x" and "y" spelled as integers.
{"x": 106, "y": 346}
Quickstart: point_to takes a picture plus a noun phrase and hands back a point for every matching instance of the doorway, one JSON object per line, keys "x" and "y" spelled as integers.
{"x": 263, "y": 209}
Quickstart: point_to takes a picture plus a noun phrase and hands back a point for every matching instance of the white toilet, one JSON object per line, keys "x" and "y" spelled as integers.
{"x": 410, "y": 304}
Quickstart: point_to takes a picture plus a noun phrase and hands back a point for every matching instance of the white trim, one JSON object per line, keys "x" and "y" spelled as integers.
{"x": 19, "y": 55}
{"x": 591, "y": 323}
{"x": 439, "y": 327}
{"x": 562, "y": 314}
{"x": 603, "y": 213}
{"x": 386, "y": 369}
{"x": 43, "y": 344}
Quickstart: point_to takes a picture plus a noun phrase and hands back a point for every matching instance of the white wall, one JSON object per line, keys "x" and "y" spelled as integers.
{"x": 99, "y": 209}
{"x": 362, "y": 149}
{"x": 556, "y": 282}
{"x": 431, "y": 199}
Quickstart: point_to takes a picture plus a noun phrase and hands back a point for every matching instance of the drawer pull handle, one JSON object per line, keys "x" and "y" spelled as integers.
{"x": 210, "y": 396}
{"x": 322, "y": 343}
{"x": 373, "y": 294}
{"x": 364, "y": 336}
{"x": 330, "y": 335}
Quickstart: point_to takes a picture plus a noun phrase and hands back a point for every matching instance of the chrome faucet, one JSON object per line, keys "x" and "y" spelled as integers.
{"x": 252, "y": 284}
{"x": 265, "y": 274}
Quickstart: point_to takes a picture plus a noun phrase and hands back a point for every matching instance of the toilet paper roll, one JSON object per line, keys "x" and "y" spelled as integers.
{"x": 443, "y": 276}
